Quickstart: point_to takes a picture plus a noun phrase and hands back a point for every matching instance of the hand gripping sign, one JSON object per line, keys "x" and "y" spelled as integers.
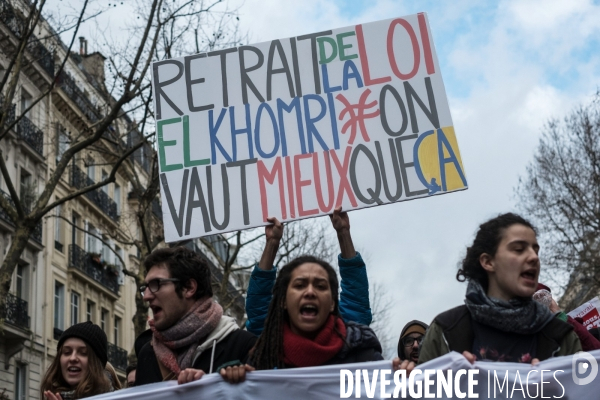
{"x": 293, "y": 128}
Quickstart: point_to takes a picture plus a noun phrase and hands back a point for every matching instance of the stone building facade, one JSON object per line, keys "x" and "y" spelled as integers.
{"x": 70, "y": 271}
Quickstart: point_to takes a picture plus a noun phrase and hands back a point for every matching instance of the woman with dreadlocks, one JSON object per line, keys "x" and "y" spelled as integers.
{"x": 304, "y": 326}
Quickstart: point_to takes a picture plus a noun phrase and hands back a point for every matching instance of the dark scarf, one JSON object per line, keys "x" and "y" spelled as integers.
{"x": 519, "y": 315}
{"x": 174, "y": 347}
{"x": 299, "y": 351}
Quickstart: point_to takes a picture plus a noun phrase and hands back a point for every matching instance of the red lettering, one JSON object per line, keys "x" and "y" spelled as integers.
{"x": 364, "y": 61}
{"x": 300, "y": 183}
{"x": 342, "y": 170}
{"x": 415, "y": 46}
{"x": 322, "y": 206}
{"x": 426, "y": 45}
{"x": 269, "y": 176}
{"x": 290, "y": 185}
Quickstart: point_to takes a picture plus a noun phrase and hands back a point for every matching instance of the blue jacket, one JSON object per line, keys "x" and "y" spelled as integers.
{"x": 354, "y": 295}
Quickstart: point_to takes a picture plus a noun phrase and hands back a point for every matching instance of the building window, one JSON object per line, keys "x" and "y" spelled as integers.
{"x": 117, "y": 327}
{"x": 63, "y": 142}
{"x": 92, "y": 243}
{"x": 58, "y": 240}
{"x": 20, "y": 282}
{"x": 117, "y": 198}
{"x": 91, "y": 169}
{"x": 59, "y": 305}
{"x": 20, "y": 382}
{"x": 105, "y": 177}
{"x": 119, "y": 264}
{"x": 27, "y": 190}
{"x": 25, "y": 102}
{"x": 75, "y": 224}
{"x": 103, "y": 316}
{"x": 90, "y": 311}
{"x": 106, "y": 252}
{"x": 74, "y": 308}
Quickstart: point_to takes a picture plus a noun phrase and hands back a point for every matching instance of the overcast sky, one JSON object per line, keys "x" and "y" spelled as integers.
{"x": 508, "y": 67}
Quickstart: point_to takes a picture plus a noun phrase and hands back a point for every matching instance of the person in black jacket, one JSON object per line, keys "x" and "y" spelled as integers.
{"x": 189, "y": 335}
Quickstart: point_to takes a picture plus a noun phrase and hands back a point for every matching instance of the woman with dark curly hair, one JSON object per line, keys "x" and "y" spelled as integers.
{"x": 79, "y": 368}
{"x": 499, "y": 320}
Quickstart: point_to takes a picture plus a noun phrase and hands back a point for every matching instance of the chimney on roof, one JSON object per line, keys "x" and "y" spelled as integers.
{"x": 82, "y": 46}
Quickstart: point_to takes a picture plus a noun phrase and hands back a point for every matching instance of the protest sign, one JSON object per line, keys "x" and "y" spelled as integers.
{"x": 293, "y": 128}
{"x": 448, "y": 377}
{"x": 589, "y": 312}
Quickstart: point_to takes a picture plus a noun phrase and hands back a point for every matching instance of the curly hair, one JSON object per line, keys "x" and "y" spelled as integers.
{"x": 94, "y": 382}
{"x": 183, "y": 264}
{"x": 268, "y": 350}
{"x": 487, "y": 239}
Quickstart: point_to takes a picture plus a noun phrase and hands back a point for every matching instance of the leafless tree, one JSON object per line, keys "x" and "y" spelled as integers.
{"x": 381, "y": 307}
{"x": 158, "y": 29}
{"x": 561, "y": 194}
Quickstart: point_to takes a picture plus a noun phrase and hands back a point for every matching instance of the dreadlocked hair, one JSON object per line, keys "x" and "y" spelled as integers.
{"x": 268, "y": 350}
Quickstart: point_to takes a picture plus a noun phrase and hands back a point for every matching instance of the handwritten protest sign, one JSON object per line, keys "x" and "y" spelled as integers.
{"x": 589, "y": 312}
{"x": 293, "y": 128}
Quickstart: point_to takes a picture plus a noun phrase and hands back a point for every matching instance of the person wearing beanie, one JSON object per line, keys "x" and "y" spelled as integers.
{"x": 409, "y": 343}
{"x": 78, "y": 370}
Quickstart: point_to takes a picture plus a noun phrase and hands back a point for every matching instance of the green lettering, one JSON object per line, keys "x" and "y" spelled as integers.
{"x": 186, "y": 146}
{"x": 164, "y": 143}
{"x": 342, "y": 46}
{"x": 323, "y": 59}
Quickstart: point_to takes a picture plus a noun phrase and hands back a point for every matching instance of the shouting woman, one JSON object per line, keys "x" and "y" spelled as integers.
{"x": 499, "y": 320}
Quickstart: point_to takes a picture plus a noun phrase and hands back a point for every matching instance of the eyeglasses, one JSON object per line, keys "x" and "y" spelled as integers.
{"x": 155, "y": 284}
{"x": 409, "y": 341}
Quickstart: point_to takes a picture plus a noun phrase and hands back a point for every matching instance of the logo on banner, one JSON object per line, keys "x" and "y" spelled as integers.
{"x": 585, "y": 368}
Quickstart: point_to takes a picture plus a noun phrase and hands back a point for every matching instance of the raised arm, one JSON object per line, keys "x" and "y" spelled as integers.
{"x": 273, "y": 234}
{"x": 262, "y": 279}
{"x": 354, "y": 297}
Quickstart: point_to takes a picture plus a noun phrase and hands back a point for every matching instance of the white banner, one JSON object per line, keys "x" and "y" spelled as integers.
{"x": 570, "y": 377}
{"x": 292, "y": 128}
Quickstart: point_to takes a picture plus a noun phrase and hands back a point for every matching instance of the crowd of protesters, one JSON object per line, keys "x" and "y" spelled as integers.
{"x": 302, "y": 316}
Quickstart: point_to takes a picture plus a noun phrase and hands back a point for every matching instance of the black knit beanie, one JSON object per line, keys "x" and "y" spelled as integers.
{"x": 92, "y": 335}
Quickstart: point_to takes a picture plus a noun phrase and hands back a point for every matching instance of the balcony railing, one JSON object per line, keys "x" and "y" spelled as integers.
{"x": 17, "y": 26}
{"x": 45, "y": 59}
{"x": 117, "y": 357}
{"x": 15, "y": 312}
{"x": 67, "y": 84}
{"x": 80, "y": 180}
{"x": 37, "y": 231}
{"x": 31, "y": 134}
{"x": 82, "y": 260}
{"x": 26, "y": 130}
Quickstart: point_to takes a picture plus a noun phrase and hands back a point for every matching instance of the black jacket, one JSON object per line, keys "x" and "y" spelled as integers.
{"x": 458, "y": 331}
{"x": 233, "y": 347}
